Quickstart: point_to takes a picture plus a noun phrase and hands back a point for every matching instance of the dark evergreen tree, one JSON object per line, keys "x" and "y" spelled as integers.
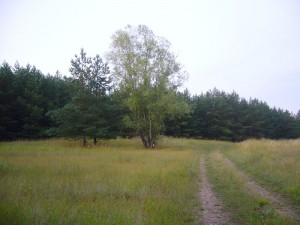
{"x": 86, "y": 114}
{"x": 222, "y": 116}
{"x": 8, "y": 123}
{"x": 28, "y": 103}
{"x": 180, "y": 125}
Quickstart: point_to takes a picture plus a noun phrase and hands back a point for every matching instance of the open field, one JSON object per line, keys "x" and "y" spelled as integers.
{"x": 119, "y": 182}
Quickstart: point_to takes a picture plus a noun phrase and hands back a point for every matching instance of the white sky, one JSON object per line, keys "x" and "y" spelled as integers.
{"x": 250, "y": 46}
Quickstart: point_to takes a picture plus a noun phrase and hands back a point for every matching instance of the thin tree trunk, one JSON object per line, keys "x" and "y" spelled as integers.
{"x": 84, "y": 140}
{"x": 144, "y": 140}
{"x": 149, "y": 136}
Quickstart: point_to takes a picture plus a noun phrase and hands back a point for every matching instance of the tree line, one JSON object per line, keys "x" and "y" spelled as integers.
{"x": 32, "y": 104}
{"x": 226, "y": 116}
{"x": 138, "y": 97}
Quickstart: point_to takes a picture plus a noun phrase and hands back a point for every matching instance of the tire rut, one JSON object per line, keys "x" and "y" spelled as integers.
{"x": 212, "y": 210}
{"x": 279, "y": 203}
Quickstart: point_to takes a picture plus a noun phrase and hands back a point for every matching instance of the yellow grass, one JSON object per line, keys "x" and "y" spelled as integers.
{"x": 119, "y": 182}
{"x": 58, "y": 182}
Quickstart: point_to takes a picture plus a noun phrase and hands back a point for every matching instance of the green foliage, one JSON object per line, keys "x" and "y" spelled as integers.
{"x": 93, "y": 117}
{"x": 225, "y": 116}
{"x": 86, "y": 114}
{"x": 90, "y": 75}
{"x": 148, "y": 74}
{"x": 145, "y": 100}
{"x": 7, "y": 97}
{"x": 33, "y": 105}
{"x": 26, "y": 96}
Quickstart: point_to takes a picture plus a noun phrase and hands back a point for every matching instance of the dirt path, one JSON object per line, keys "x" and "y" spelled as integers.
{"x": 277, "y": 201}
{"x": 212, "y": 212}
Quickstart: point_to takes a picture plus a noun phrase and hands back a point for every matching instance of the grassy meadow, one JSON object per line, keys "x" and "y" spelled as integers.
{"x": 119, "y": 182}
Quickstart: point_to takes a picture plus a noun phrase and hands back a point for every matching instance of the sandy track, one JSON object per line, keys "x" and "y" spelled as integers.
{"x": 279, "y": 203}
{"x": 212, "y": 210}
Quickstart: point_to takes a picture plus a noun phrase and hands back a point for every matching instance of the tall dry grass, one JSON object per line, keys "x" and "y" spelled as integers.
{"x": 117, "y": 182}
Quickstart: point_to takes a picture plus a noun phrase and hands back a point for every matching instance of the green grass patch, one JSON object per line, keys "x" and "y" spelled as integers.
{"x": 273, "y": 164}
{"x": 244, "y": 207}
{"x": 116, "y": 182}
{"x": 119, "y": 182}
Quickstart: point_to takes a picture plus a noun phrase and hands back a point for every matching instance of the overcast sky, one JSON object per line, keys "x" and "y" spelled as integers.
{"x": 250, "y": 46}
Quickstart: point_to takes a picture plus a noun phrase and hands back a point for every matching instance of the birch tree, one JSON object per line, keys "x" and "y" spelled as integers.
{"x": 148, "y": 74}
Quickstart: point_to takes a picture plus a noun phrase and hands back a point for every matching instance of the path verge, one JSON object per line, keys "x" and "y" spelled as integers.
{"x": 280, "y": 204}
